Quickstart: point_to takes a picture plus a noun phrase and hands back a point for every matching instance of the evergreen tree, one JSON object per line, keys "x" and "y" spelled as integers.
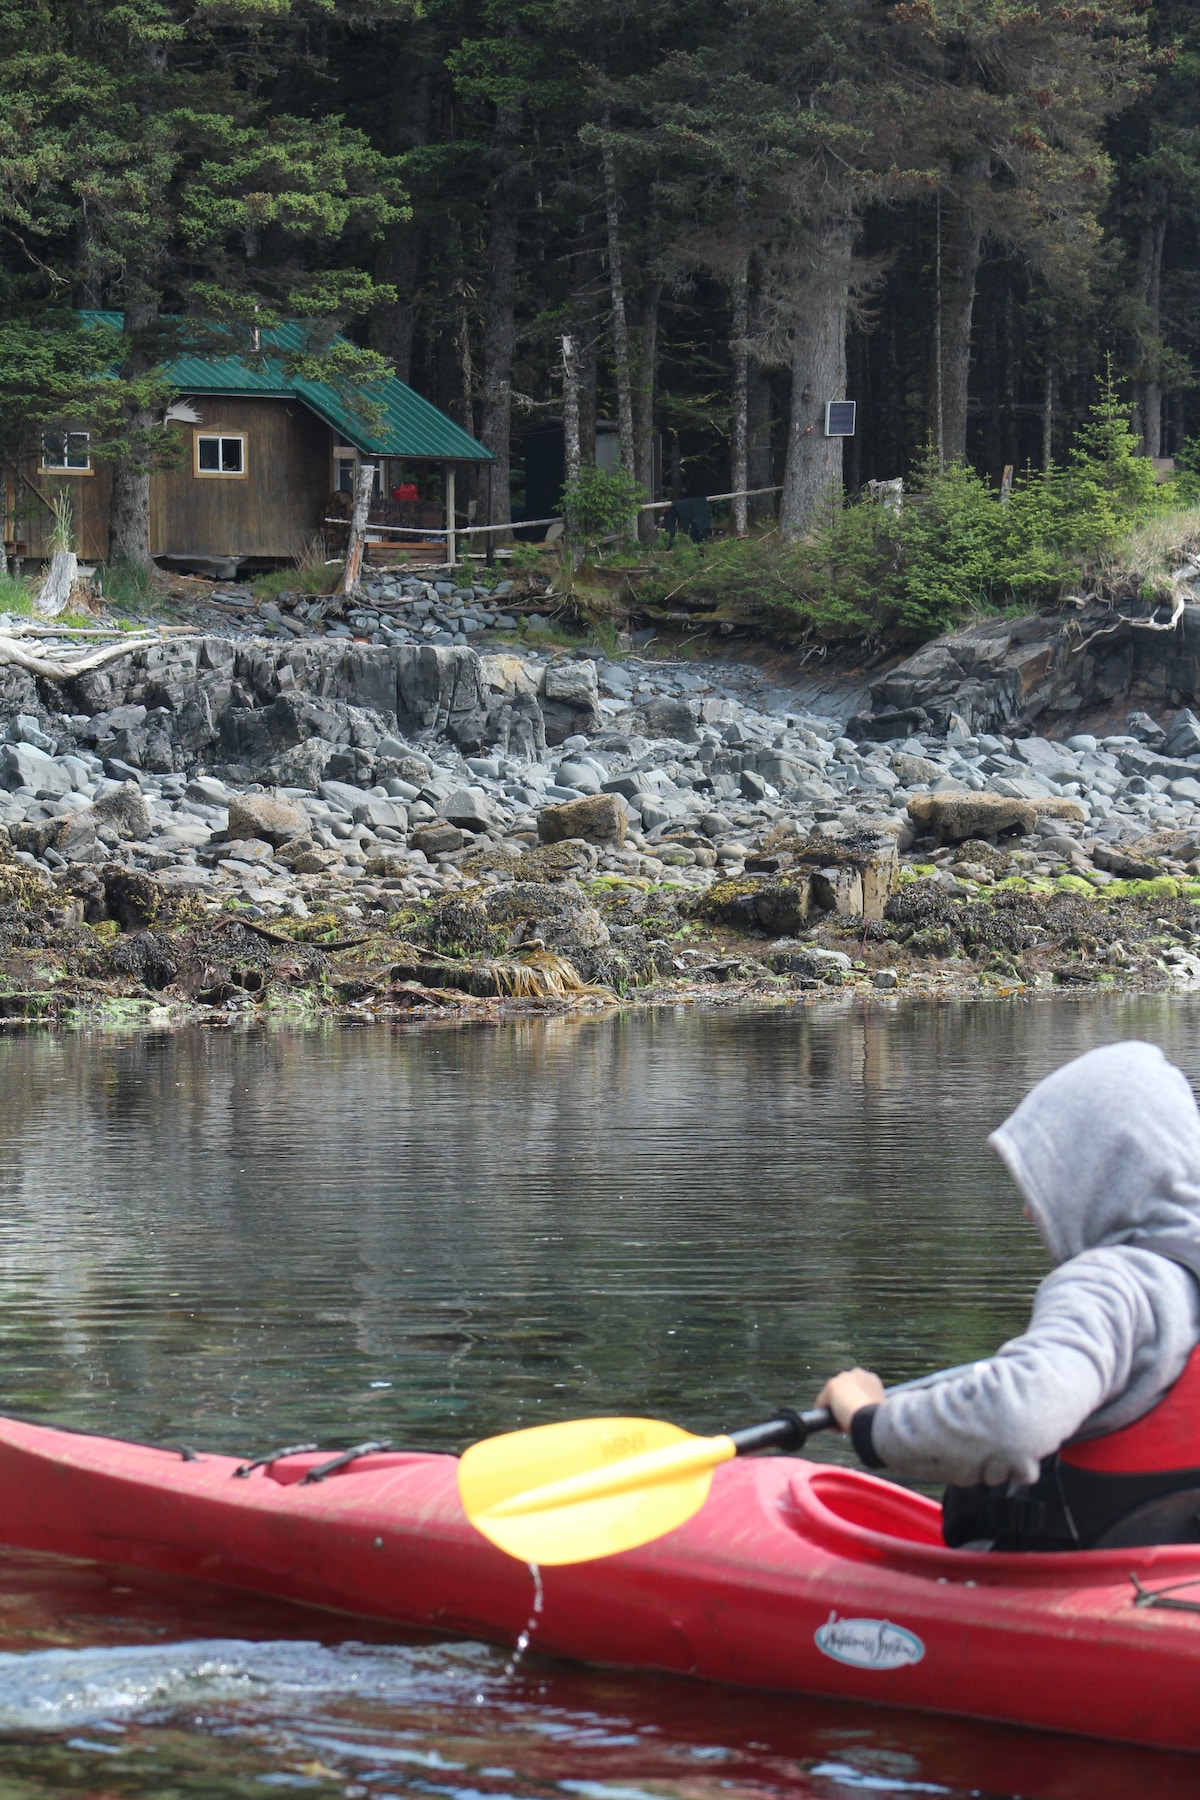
{"x": 165, "y": 181}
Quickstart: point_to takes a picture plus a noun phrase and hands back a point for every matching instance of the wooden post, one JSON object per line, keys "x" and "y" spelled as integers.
{"x": 451, "y": 546}
{"x": 490, "y": 535}
{"x": 358, "y": 530}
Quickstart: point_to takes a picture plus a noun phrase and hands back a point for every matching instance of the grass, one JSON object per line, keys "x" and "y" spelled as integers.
{"x": 1151, "y": 552}
{"x": 15, "y": 597}
{"x": 310, "y": 578}
{"x": 130, "y": 587}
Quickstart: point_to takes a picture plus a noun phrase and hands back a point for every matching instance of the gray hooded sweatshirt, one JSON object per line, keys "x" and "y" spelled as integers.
{"x": 1104, "y": 1150}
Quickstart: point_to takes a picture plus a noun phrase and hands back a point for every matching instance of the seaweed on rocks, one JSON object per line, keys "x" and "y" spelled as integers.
{"x": 458, "y": 925}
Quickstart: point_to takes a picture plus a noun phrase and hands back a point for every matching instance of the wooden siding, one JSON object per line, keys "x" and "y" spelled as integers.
{"x": 270, "y": 511}
{"x": 89, "y": 494}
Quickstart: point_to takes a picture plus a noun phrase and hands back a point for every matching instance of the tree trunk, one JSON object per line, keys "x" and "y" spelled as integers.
{"x": 352, "y": 573}
{"x": 643, "y": 403}
{"x": 570, "y": 364}
{"x": 401, "y": 253}
{"x": 129, "y": 504}
{"x": 55, "y": 592}
{"x": 961, "y": 250}
{"x": 500, "y": 331}
{"x": 1148, "y": 413}
{"x": 1048, "y": 418}
{"x": 392, "y": 323}
{"x": 760, "y": 462}
{"x": 622, "y": 361}
{"x": 739, "y": 425}
{"x": 587, "y": 403}
{"x": 814, "y": 462}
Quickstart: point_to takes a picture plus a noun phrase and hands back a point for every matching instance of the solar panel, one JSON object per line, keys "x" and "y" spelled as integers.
{"x": 839, "y": 418}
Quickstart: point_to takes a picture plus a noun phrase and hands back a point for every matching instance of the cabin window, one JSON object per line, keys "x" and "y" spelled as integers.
{"x": 220, "y": 455}
{"x": 67, "y": 452}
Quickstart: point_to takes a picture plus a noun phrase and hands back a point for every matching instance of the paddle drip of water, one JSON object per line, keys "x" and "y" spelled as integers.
{"x": 522, "y": 1643}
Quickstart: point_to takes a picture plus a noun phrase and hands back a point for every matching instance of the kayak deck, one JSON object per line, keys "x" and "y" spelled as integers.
{"x": 794, "y": 1576}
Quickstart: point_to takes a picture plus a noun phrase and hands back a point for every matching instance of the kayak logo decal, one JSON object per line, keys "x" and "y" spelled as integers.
{"x": 868, "y": 1643}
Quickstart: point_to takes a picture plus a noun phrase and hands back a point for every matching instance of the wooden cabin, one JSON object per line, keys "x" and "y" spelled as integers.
{"x": 267, "y": 462}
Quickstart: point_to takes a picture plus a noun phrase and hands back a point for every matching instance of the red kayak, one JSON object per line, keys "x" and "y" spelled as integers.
{"x": 794, "y": 1576}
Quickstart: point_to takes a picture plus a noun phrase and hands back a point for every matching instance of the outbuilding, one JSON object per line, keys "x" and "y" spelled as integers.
{"x": 268, "y": 463}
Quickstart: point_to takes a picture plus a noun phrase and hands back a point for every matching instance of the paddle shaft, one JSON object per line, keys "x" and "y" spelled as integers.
{"x": 791, "y": 1430}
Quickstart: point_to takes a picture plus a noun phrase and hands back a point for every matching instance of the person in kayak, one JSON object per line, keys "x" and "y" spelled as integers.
{"x": 1084, "y": 1431}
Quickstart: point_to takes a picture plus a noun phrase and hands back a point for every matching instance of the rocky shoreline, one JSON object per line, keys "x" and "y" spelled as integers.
{"x": 388, "y": 824}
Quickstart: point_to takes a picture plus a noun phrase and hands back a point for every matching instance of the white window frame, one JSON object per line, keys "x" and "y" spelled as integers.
{"x": 343, "y": 454}
{"x": 222, "y": 438}
{"x": 65, "y": 467}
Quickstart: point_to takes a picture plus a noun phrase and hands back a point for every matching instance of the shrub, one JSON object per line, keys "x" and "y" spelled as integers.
{"x": 601, "y": 503}
{"x": 954, "y": 547}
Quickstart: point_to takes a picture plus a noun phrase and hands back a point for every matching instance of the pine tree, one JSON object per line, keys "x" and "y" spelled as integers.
{"x": 168, "y": 183}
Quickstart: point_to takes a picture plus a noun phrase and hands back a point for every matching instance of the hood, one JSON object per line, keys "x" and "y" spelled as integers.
{"x": 1105, "y": 1149}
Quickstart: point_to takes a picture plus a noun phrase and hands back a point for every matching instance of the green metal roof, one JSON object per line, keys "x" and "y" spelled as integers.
{"x": 405, "y": 424}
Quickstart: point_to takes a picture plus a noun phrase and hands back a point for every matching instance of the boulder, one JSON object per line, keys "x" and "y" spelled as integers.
{"x": 437, "y": 840}
{"x": 374, "y": 813}
{"x": 839, "y": 889}
{"x": 581, "y": 775}
{"x": 598, "y": 818}
{"x": 124, "y": 809}
{"x": 572, "y": 682}
{"x": 853, "y": 875}
{"x": 268, "y": 816}
{"x": 1129, "y": 866}
{"x": 469, "y": 809}
{"x": 664, "y": 717}
{"x": 955, "y": 814}
{"x": 556, "y": 912}
{"x": 72, "y": 836}
{"x": 303, "y": 857}
{"x": 783, "y": 907}
{"x": 23, "y": 766}
{"x": 1060, "y": 807}
{"x": 1183, "y": 735}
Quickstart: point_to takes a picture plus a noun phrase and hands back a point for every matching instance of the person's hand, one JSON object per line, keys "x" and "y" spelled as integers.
{"x": 845, "y": 1393}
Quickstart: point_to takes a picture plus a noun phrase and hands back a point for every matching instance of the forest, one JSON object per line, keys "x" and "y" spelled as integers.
{"x": 696, "y": 221}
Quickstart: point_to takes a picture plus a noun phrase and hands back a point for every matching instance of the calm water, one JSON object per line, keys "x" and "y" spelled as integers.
{"x": 242, "y": 1240}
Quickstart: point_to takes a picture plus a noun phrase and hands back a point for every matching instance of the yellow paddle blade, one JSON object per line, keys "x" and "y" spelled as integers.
{"x": 590, "y": 1487}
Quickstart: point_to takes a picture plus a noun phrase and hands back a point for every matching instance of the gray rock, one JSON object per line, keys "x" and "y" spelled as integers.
{"x": 911, "y": 770}
{"x": 664, "y": 717}
{"x": 124, "y": 809}
{"x": 578, "y": 775}
{"x": 1146, "y": 730}
{"x": 23, "y": 766}
{"x": 25, "y": 730}
{"x": 469, "y": 809}
{"x": 207, "y": 790}
{"x": 268, "y": 816}
{"x": 381, "y": 813}
{"x": 597, "y": 818}
{"x": 1183, "y": 735}
{"x": 340, "y": 793}
{"x": 573, "y": 682}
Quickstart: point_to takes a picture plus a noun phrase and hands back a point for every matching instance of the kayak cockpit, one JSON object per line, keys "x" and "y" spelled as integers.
{"x": 853, "y": 1513}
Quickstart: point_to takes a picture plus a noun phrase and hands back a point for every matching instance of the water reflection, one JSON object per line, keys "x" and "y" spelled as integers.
{"x": 433, "y": 1234}
{"x": 231, "y": 1238}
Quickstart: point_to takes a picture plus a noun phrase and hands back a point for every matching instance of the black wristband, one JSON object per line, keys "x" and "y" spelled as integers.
{"x": 862, "y": 1437}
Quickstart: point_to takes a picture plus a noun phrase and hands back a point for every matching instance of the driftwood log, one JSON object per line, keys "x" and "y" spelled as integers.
{"x": 60, "y": 662}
